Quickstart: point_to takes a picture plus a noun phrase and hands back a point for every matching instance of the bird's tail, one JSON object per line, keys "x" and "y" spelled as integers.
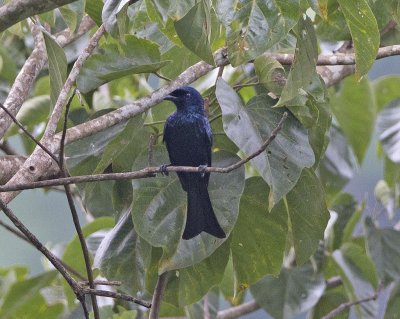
{"x": 200, "y": 214}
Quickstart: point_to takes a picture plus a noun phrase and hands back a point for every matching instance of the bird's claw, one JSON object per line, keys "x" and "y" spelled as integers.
{"x": 163, "y": 169}
{"x": 202, "y": 170}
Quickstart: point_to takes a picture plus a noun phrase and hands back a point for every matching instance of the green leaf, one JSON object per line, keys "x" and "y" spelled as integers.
{"x": 159, "y": 209}
{"x": 24, "y": 299}
{"x": 388, "y": 130}
{"x": 293, "y": 292}
{"x": 57, "y": 66}
{"x": 304, "y": 64}
{"x": 113, "y": 62}
{"x": 124, "y": 256}
{"x": 259, "y": 237}
{"x": 256, "y": 26}
{"x": 384, "y": 248}
{"x": 355, "y": 110}
{"x": 94, "y": 9}
{"x": 393, "y": 305}
{"x": 170, "y": 9}
{"x": 386, "y": 90}
{"x": 345, "y": 207}
{"x": 364, "y": 33}
{"x": 308, "y": 215}
{"x": 111, "y": 17}
{"x": 73, "y": 14}
{"x": 270, "y": 73}
{"x": 181, "y": 59}
{"x": 281, "y": 164}
{"x": 189, "y": 285}
{"x": 194, "y": 29}
{"x": 359, "y": 277}
{"x": 329, "y": 301}
{"x": 8, "y": 67}
{"x": 338, "y": 165}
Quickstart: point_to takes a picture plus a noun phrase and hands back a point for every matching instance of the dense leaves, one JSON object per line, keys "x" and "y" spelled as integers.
{"x": 298, "y": 242}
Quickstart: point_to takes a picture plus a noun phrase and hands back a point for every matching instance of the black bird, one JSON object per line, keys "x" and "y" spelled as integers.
{"x": 188, "y": 137}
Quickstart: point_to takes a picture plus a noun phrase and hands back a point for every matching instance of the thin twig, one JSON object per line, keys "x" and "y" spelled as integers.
{"x": 240, "y": 86}
{"x": 101, "y": 282}
{"x": 47, "y": 253}
{"x": 62, "y": 142}
{"x": 116, "y": 295}
{"x": 143, "y": 173}
{"x": 158, "y": 295}
{"x": 27, "y": 133}
{"x": 74, "y": 213}
{"x": 24, "y": 238}
{"x": 162, "y": 77}
{"x": 342, "y": 307}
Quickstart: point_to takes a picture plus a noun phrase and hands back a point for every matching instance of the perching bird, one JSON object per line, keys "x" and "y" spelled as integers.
{"x": 188, "y": 137}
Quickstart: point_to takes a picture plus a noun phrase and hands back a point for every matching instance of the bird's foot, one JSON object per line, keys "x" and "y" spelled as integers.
{"x": 202, "y": 170}
{"x": 163, "y": 169}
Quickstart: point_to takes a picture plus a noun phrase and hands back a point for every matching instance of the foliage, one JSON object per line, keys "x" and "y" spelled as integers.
{"x": 290, "y": 225}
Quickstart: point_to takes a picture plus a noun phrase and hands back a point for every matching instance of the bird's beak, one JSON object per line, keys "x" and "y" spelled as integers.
{"x": 170, "y": 98}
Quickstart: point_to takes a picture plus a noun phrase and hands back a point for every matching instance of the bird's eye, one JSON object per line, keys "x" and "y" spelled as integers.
{"x": 187, "y": 95}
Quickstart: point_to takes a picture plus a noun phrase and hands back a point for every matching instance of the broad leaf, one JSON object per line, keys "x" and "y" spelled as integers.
{"x": 308, "y": 215}
{"x": 292, "y": 293}
{"x": 94, "y": 9}
{"x": 189, "y": 285}
{"x": 248, "y": 127}
{"x": 113, "y": 62}
{"x": 124, "y": 256}
{"x": 364, "y": 33}
{"x": 57, "y": 66}
{"x": 259, "y": 237}
{"x": 25, "y": 298}
{"x": 73, "y": 14}
{"x": 194, "y": 29}
{"x": 170, "y": 9}
{"x": 110, "y": 16}
{"x": 209, "y": 306}
{"x": 354, "y": 108}
{"x": 359, "y": 277}
{"x": 303, "y": 69}
{"x": 328, "y": 302}
{"x": 384, "y": 248}
{"x": 256, "y": 26}
{"x": 388, "y": 127}
{"x": 270, "y": 73}
{"x": 386, "y": 90}
{"x": 159, "y": 210}
{"x": 338, "y": 165}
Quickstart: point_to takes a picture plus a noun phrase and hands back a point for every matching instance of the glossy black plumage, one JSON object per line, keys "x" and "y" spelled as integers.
{"x": 187, "y": 135}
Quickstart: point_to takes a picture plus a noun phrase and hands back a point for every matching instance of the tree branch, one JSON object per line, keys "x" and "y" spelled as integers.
{"x": 30, "y": 70}
{"x": 236, "y": 312}
{"x": 342, "y": 307}
{"x": 145, "y": 172}
{"x": 158, "y": 294}
{"x": 18, "y": 10}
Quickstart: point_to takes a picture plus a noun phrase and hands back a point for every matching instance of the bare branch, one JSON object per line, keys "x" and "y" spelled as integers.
{"x": 116, "y": 295}
{"x": 158, "y": 295}
{"x": 18, "y": 10}
{"x": 30, "y": 70}
{"x": 146, "y": 172}
{"x": 342, "y": 307}
{"x": 236, "y": 312}
{"x": 27, "y": 133}
{"x": 39, "y": 246}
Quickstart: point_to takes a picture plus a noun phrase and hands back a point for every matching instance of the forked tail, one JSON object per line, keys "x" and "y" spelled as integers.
{"x": 200, "y": 214}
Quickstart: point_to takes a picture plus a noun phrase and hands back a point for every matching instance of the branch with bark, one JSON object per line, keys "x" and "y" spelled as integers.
{"x": 18, "y": 10}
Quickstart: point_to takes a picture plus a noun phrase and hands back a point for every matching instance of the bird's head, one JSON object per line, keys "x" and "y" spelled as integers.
{"x": 187, "y": 98}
